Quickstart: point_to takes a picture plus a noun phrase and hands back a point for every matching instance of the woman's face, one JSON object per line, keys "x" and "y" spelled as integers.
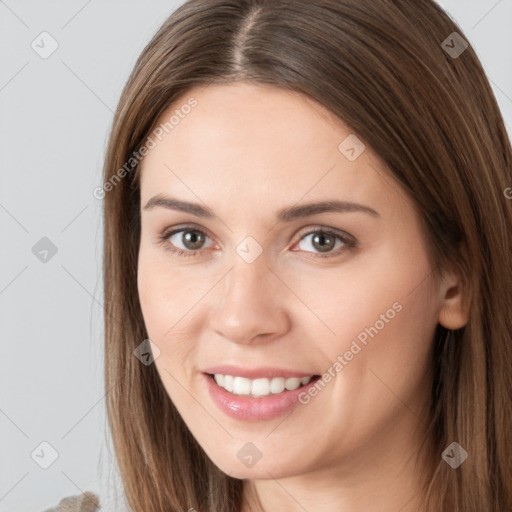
{"x": 345, "y": 292}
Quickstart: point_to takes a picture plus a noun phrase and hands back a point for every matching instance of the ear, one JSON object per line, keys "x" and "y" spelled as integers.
{"x": 454, "y": 310}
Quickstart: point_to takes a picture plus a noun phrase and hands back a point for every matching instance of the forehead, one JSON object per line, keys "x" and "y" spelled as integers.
{"x": 256, "y": 144}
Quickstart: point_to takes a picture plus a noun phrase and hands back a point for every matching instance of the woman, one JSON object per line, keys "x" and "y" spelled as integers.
{"x": 306, "y": 263}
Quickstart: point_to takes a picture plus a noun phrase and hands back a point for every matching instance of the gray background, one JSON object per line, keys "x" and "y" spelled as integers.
{"x": 55, "y": 117}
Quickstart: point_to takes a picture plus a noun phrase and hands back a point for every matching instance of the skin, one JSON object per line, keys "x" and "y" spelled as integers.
{"x": 246, "y": 151}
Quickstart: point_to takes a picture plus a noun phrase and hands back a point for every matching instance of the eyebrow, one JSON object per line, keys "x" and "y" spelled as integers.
{"x": 288, "y": 214}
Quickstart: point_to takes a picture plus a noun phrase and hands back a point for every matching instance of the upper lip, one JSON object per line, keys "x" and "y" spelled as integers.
{"x": 255, "y": 373}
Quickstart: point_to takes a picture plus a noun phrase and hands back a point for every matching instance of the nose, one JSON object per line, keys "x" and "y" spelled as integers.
{"x": 252, "y": 303}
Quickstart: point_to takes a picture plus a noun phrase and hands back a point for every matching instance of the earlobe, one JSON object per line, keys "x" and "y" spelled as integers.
{"x": 454, "y": 311}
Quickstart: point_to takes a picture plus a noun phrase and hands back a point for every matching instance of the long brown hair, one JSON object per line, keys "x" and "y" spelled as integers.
{"x": 395, "y": 73}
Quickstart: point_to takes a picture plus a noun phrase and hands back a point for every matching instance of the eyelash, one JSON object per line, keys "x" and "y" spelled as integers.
{"x": 163, "y": 239}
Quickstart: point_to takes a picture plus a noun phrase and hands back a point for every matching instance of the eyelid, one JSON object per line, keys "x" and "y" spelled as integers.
{"x": 349, "y": 241}
{"x": 325, "y": 229}
{"x": 166, "y": 233}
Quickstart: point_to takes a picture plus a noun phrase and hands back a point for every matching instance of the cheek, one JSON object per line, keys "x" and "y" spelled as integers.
{"x": 381, "y": 317}
{"x": 375, "y": 294}
{"x": 165, "y": 294}
{"x": 168, "y": 299}
{"x": 385, "y": 341}
{"x": 158, "y": 304}
{"x": 152, "y": 300}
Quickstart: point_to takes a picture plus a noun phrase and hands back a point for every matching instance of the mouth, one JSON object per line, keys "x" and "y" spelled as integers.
{"x": 260, "y": 387}
{"x": 257, "y": 393}
{"x": 260, "y": 398}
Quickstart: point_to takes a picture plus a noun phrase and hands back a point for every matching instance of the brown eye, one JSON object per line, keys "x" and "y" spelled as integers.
{"x": 192, "y": 239}
{"x": 324, "y": 241}
{"x": 187, "y": 241}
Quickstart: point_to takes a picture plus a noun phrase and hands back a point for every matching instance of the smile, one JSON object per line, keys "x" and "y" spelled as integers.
{"x": 256, "y": 399}
{"x": 258, "y": 388}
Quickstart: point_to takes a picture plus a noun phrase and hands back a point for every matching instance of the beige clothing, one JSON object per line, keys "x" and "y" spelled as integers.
{"x": 86, "y": 502}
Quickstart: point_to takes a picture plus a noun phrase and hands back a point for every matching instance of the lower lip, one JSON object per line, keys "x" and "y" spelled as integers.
{"x": 254, "y": 409}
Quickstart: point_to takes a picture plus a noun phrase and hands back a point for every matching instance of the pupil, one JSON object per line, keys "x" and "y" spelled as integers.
{"x": 192, "y": 239}
{"x": 322, "y": 238}
{"x": 325, "y": 241}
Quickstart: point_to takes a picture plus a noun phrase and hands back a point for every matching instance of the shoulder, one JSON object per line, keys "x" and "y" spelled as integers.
{"x": 86, "y": 502}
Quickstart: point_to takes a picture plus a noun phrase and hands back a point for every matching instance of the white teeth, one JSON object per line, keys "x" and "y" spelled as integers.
{"x": 259, "y": 387}
{"x": 241, "y": 386}
{"x": 277, "y": 385}
{"x": 292, "y": 383}
{"x": 228, "y": 382}
{"x": 262, "y": 387}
